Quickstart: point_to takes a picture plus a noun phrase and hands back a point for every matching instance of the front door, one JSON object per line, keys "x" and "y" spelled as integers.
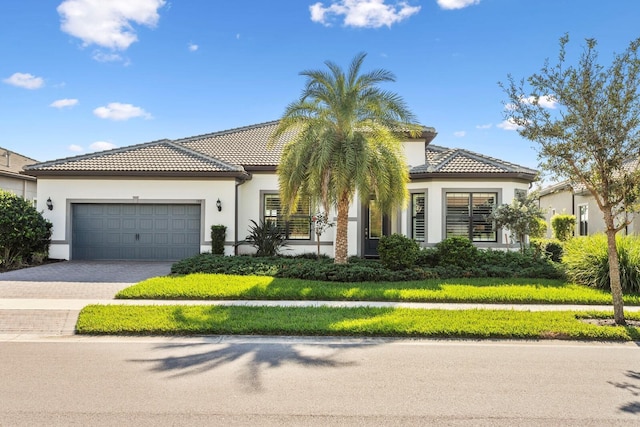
{"x": 375, "y": 225}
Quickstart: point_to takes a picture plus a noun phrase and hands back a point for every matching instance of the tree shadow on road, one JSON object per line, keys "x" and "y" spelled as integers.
{"x": 634, "y": 388}
{"x": 255, "y": 358}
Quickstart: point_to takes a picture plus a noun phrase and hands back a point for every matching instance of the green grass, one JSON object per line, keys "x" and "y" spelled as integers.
{"x": 360, "y": 321}
{"x": 487, "y": 290}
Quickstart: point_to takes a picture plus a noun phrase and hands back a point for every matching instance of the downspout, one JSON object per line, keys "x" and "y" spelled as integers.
{"x": 239, "y": 182}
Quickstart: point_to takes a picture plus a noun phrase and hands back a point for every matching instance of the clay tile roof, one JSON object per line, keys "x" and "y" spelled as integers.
{"x": 159, "y": 156}
{"x": 444, "y": 160}
{"x": 246, "y": 146}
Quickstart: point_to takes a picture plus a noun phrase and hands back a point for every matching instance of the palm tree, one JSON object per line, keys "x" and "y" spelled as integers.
{"x": 346, "y": 138}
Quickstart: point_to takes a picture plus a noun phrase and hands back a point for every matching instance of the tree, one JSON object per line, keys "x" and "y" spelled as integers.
{"x": 585, "y": 119}
{"x": 347, "y": 139}
{"x": 521, "y": 217}
{"x": 23, "y": 231}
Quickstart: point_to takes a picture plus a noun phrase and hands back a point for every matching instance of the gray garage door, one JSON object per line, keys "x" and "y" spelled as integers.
{"x": 135, "y": 231}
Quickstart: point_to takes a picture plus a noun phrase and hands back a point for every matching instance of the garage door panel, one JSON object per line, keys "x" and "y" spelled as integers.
{"x": 135, "y": 231}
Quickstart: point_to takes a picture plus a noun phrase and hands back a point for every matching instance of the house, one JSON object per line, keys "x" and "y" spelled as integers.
{"x": 158, "y": 200}
{"x": 565, "y": 198}
{"x": 11, "y": 164}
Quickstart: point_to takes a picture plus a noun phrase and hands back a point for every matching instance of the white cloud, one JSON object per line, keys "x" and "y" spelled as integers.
{"x": 456, "y": 4}
{"x": 102, "y": 145}
{"x": 107, "y": 57}
{"x": 192, "y": 47}
{"x": 62, "y": 103}
{"x": 363, "y": 13}
{"x": 487, "y": 126}
{"x": 459, "y": 134}
{"x": 75, "y": 148}
{"x": 25, "y": 80}
{"x": 544, "y": 101}
{"x": 118, "y": 111}
{"x": 107, "y": 23}
{"x": 508, "y": 124}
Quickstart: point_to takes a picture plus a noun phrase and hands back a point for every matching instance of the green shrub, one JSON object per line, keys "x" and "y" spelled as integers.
{"x": 398, "y": 252}
{"x": 427, "y": 257}
{"x": 563, "y": 226}
{"x": 551, "y": 248}
{"x": 458, "y": 251}
{"x": 218, "y": 236}
{"x": 587, "y": 261}
{"x": 488, "y": 263}
{"x": 266, "y": 237}
{"x": 539, "y": 230}
{"x": 23, "y": 231}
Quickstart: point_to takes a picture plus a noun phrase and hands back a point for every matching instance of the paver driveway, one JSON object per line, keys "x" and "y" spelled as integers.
{"x": 66, "y": 280}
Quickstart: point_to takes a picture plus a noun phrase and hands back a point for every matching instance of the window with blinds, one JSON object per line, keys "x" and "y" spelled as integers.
{"x": 467, "y": 215}
{"x": 418, "y": 225}
{"x": 297, "y": 226}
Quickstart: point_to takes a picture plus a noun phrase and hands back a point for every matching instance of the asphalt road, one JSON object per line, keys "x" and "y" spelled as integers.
{"x": 316, "y": 382}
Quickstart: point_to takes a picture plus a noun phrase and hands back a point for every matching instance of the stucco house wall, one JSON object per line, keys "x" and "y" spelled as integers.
{"x": 560, "y": 198}
{"x": 65, "y": 192}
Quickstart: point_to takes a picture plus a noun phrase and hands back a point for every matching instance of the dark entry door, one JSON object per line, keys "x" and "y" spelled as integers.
{"x": 375, "y": 225}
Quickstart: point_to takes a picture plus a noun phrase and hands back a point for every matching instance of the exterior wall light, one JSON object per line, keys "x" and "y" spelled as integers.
{"x": 49, "y": 204}
{"x": 219, "y": 205}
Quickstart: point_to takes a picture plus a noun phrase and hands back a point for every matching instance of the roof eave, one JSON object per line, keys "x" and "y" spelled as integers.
{"x": 150, "y": 174}
{"x": 474, "y": 175}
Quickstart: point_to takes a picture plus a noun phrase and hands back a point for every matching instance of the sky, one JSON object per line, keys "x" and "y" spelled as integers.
{"x": 80, "y": 76}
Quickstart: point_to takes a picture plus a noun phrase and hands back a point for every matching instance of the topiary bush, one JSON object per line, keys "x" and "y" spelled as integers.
{"x": 24, "y": 233}
{"x": 587, "y": 261}
{"x": 458, "y": 251}
{"x": 398, "y": 252}
{"x": 218, "y": 236}
{"x": 563, "y": 226}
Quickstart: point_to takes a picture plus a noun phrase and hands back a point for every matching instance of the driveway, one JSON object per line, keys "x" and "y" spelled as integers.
{"x": 71, "y": 281}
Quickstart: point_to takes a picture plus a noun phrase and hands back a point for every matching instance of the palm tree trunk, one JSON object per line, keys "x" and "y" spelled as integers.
{"x": 614, "y": 272}
{"x": 342, "y": 228}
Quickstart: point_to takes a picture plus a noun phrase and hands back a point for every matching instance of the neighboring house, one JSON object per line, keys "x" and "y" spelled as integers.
{"x": 158, "y": 200}
{"x": 563, "y": 198}
{"x": 11, "y": 164}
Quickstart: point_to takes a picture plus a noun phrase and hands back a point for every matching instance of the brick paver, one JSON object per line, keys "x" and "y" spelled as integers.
{"x": 67, "y": 280}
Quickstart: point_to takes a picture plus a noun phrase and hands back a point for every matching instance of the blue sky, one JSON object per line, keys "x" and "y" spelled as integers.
{"x": 79, "y": 76}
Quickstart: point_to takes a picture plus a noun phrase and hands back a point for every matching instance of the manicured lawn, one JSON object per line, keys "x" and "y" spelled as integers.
{"x": 515, "y": 291}
{"x": 361, "y": 321}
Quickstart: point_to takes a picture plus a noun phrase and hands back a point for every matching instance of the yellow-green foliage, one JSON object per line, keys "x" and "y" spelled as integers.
{"x": 362, "y": 321}
{"x": 488, "y": 290}
{"x": 587, "y": 261}
{"x": 563, "y": 226}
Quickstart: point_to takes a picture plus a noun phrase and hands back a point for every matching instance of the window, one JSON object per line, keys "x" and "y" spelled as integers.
{"x": 297, "y": 227}
{"x": 583, "y": 220}
{"x": 467, "y": 215}
{"x": 520, "y": 194}
{"x": 418, "y": 230}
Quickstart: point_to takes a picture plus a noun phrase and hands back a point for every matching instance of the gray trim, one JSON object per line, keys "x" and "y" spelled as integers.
{"x": 497, "y": 190}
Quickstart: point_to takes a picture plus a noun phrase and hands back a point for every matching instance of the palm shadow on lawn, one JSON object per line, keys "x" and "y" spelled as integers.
{"x": 202, "y": 357}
